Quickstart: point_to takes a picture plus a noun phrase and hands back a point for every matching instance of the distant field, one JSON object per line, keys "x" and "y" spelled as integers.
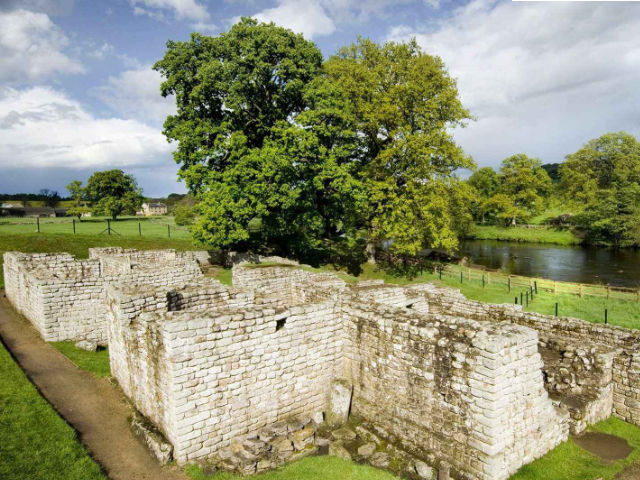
{"x": 520, "y": 234}
{"x": 155, "y": 227}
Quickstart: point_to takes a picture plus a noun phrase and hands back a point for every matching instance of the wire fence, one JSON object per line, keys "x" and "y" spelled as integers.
{"x": 157, "y": 228}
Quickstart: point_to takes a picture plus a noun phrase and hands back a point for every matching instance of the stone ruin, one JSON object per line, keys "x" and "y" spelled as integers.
{"x": 248, "y": 377}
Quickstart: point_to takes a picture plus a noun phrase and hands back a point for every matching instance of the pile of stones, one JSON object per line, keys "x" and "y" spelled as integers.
{"x": 273, "y": 446}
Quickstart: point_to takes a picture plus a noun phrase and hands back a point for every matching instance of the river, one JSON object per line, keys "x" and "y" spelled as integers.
{"x": 571, "y": 264}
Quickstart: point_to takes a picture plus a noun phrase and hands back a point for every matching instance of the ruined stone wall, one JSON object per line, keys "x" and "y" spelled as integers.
{"x": 205, "y": 376}
{"x": 64, "y": 297}
{"x": 451, "y": 390}
{"x": 621, "y": 343}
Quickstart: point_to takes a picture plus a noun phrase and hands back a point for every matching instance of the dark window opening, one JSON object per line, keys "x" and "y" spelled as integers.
{"x": 280, "y": 323}
{"x": 410, "y": 305}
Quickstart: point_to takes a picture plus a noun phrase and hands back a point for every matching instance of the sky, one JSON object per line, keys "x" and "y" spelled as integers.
{"x": 77, "y": 93}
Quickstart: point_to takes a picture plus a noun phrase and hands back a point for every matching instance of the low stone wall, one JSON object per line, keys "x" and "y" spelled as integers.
{"x": 447, "y": 390}
{"x": 64, "y": 297}
{"x": 205, "y": 376}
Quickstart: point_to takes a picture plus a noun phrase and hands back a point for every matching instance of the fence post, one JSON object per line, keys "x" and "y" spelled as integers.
{"x": 74, "y": 226}
{"x": 169, "y": 231}
{"x": 527, "y": 297}
{"x": 109, "y": 226}
{"x": 521, "y": 298}
{"x": 440, "y": 273}
{"x": 535, "y": 283}
{"x": 516, "y": 300}
{"x": 139, "y": 229}
{"x": 38, "y": 221}
{"x": 509, "y": 284}
{"x": 483, "y": 280}
{"x": 556, "y": 309}
{"x": 460, "y": 276}
{"x": 606, "y": 316}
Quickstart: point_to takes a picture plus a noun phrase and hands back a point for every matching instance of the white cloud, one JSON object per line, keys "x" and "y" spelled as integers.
{"x": 182, "y": 9}
{"x": 44, "y": 128}
{"x": 136, "y": 94}
{"x": 308, "y": 18}
{"x": 31, "y": 48}
{"x": 541, "y": 78}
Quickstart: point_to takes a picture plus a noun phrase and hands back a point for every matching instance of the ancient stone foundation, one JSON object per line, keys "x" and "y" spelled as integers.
{"x": 288, "y": 362}
{"x": 64, "y": 297}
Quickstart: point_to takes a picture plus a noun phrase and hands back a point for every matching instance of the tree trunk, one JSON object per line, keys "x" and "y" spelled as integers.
{"x": 371, "y": 252}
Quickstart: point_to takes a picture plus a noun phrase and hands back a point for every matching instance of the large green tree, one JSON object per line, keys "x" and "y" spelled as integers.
{"x": 485, "y": 183}
{"x": 604, "y": 177}
{"x": 404, "y": 104}
{"x": 113, "y": 193}
{"x": 263, "y": 139}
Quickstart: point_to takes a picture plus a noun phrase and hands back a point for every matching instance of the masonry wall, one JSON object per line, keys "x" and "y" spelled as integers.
{"x": 622, "y": 343}
{"x": 64, "y": 297}
{"x": 450, "y": 390}
{"x": 205, "y": 376}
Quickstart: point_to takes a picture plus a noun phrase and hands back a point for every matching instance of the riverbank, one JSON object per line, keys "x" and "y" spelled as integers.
{"x": 521, "y": 234}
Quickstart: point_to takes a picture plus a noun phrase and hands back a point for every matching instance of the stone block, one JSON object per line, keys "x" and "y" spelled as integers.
{"x": 339, "y": 402}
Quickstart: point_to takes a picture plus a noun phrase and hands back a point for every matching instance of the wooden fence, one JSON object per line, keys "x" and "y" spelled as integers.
{"x": 492, "y": 277}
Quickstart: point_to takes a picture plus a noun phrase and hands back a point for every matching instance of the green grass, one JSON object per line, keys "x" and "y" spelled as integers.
{"x": 36, "y": 444}
{"x": 310, "y": 468}
{"x": 94, "y": 362}
{"x": 151, "y": 227}
{"x": 79, "y": 245}
{"x": 520, "y": 234}
{"x": 568, "y": 461}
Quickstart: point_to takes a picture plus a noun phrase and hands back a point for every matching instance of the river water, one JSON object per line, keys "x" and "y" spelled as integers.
{"x": 571, "y": 264}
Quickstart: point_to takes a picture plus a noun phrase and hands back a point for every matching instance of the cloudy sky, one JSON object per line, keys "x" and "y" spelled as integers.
{"x": 77, "y": 93}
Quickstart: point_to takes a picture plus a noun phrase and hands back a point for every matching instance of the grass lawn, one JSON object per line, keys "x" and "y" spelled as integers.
{"x": 79, "y": 245}
{"x": 150, "y": 227}
{"x": 568, "y": 461}
{"x": 310, "y": 468}
{"x": 94, "y": 362}
{"x": 36, "y": 444}
{"x": 520, "y": 234}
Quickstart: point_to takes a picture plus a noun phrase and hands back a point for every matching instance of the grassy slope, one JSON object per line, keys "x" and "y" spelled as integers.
{"x": 311, "y": 468}
{"x": 519, "y": 234}
{"x": 95, "y": 362}
{"x": 79, "y": 244}
{"x": 36, "y": 443}
{"x": 570, "y": 462}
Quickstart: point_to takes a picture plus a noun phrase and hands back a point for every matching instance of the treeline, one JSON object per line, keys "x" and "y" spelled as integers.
{"x": 600, "y": 183}
{"x": 49, "y": 198}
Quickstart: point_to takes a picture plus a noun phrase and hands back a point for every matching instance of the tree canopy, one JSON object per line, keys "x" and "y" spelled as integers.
{"x": 604, "y": 177}
{"x": 113, "y": 193}
{"x": 283, "y": 150}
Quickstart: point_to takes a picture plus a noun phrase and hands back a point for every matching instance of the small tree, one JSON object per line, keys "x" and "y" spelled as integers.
{"x": 184, "y": 215}
{"x": 113, "y": 193}
{"x": 76, "y": 191}
{"x": 78, "y": 211}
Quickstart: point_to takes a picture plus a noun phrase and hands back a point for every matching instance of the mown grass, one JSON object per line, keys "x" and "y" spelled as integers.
{"x": 94, "y": 362}
{"x": 520, "y": 234}
{"x": 568, "y": 461}
{"x": 310, "y": 468}
{"x": 150, "y": 227}
{"x": 35, "y": 443}
{"x": 79, "y": 245}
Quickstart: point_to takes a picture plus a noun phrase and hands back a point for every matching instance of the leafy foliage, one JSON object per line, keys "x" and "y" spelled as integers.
{"x": 113, "y": 193}
{"x": 604, "y": 176}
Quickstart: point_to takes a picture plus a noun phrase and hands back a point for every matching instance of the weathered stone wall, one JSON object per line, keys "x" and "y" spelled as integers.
{"x": 205, "y": 376}
{"x": 64, "y": 297}
{"x": 452, "y": 390}
{"x": 623, "y": 344}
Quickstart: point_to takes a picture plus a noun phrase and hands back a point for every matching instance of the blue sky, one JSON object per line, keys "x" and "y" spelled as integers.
{"x": 77, "y": 93}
